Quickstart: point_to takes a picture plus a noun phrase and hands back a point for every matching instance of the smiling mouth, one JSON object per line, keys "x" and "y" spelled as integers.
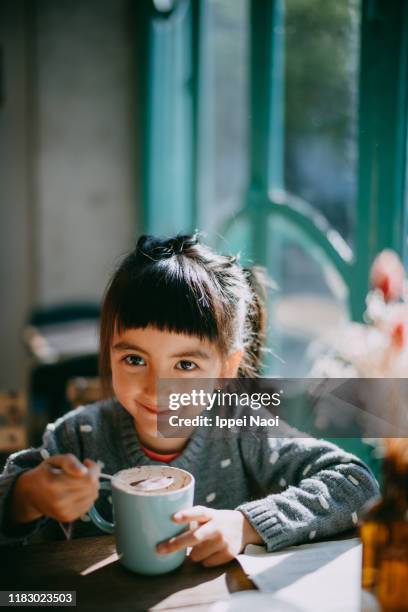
{"x": 154, "y": 410}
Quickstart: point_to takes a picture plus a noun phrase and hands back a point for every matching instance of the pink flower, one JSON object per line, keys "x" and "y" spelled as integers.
{"x": 398, "y": 326}
{"x": 387, "y": 274}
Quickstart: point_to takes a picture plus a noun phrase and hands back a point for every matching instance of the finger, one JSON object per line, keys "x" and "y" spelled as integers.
{"x": 88, "y": 483}
{"x": 205, "y": 549}
{"x": 84, "y": 498}
{"x": 69, "y": 464}
{"x": 176, "y": 543}
{"x": 84, "y": 504}
{"x": 66, "y": 487}
{"x": 218, "y": 559}
{"x": 196, "y": 513}
{"x": 72, "y": 508}
{"x": 187, "y": 538}
{"x": 89, "y": 491}
{"x": 90, "y": 463}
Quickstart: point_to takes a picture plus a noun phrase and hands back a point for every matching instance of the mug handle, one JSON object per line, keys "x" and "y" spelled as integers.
{"x": 96, "y": 518}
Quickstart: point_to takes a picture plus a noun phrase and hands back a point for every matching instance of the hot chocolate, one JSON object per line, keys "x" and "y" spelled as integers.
{"x": 151, "y": 480}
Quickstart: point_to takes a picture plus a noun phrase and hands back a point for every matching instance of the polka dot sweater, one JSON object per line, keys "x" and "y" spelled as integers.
{"x": 292, "y": 489}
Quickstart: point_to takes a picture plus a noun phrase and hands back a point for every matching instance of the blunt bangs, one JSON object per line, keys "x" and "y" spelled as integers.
{"x": 169, "y": 298}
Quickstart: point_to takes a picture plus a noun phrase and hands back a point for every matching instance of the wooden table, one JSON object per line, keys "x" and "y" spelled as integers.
{"x": 91, "y": 568}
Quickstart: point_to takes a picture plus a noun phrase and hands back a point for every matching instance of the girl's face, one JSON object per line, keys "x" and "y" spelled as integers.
{"x": 139, "y": 357}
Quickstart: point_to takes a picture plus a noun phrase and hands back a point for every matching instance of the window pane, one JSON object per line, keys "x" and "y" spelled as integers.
{"x": 224, "y": 112}
{"x": 310, "y": 301}
{"x": 236, "y": 239}
{"x": 321, "y": 72}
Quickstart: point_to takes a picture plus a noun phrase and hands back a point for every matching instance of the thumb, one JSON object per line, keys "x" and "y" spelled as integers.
{"x": 69, "y": 464}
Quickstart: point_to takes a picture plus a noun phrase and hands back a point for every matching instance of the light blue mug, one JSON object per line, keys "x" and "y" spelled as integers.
{"x": 144, "y": 500}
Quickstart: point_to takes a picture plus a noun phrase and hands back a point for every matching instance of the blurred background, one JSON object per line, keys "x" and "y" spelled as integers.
{"x": 277, "y": 127}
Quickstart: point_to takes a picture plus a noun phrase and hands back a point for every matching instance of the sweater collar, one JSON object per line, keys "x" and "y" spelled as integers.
{"x": 134, "y": 451}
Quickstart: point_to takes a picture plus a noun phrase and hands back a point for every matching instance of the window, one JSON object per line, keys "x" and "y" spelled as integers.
{"x": 279, "y": 127}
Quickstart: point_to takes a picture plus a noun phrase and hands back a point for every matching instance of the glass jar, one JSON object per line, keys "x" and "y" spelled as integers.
{"x": 384, "y": 535}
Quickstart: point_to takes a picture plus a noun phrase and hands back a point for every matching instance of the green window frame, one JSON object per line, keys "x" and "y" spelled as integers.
{"x": 171, "y": 53}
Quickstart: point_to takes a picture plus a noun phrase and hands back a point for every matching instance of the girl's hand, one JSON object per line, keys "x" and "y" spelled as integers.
{"x": 63, "y": 496}
{"x": 218, "y": 538}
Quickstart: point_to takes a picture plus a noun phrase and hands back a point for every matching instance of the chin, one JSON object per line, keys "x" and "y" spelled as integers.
{"x": 146, "y": 429}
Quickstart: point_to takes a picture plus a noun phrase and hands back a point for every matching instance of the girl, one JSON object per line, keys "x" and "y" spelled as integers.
{"x": 175, "y": 308}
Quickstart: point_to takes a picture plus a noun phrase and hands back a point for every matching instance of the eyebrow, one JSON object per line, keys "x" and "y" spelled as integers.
{"x": 128, "y": 346}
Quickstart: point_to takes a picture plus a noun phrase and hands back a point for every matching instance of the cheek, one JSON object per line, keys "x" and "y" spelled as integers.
{"x": 121, "y": 380}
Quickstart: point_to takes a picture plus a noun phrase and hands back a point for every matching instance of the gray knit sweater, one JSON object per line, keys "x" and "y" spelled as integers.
{"x": 292, "y": 489}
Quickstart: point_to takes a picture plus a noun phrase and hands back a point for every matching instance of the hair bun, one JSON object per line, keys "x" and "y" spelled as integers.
{"x": 158, "y": 248}
{"x": 182, "y": 242}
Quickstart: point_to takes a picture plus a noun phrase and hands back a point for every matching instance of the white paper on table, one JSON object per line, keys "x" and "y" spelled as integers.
{"x": 323, "y": 576}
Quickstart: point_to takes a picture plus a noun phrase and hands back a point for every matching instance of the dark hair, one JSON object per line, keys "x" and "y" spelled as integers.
{"x": 181, "y": 285}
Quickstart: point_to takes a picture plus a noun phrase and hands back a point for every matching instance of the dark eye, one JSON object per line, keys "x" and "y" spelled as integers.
{"x": 186, "y": 365}
{"x": 133, "y": 360}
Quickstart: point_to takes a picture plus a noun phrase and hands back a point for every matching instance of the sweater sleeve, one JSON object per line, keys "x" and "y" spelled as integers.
{"x": 320, "y": 489}
{"x": 58, "y": 438}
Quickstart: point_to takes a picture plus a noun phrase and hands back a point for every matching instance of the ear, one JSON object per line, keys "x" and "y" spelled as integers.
{"x": 231, "y": 364}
